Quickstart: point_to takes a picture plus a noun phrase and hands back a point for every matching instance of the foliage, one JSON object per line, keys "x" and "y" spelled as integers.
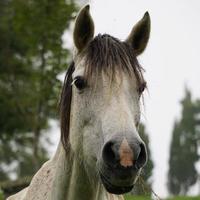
{"x": 184, "y": 148}
{"x": 139, "y": 188}
{"x": 31, "y": 58}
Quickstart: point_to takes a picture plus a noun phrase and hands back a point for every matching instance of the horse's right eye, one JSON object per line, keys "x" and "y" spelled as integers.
{"x": 142, "y": 87}
{"x": 80, "y": 82}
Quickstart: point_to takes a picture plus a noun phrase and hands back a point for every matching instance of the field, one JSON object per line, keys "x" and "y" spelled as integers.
{"x": 185, "y": 198}
{"x": 129, "y": 197}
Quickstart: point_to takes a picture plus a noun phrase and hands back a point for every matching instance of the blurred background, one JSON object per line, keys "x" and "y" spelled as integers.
{"x": 35, "y": 49}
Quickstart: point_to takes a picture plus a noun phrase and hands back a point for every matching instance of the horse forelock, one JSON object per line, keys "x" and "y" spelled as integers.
{"x": 109, "y": 55}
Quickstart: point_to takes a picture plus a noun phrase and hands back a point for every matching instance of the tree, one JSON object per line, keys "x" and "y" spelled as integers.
{"x": 140, "y": 188}
{"x": 184, "y": 149}
{"x": 31, "y": 58}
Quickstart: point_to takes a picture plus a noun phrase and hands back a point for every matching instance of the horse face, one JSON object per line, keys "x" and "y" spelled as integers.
{"x": 106, "y": 119}
{"x": 105, "y": 113}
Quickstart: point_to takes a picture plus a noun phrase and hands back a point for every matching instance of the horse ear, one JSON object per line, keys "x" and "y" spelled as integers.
{"x": 84, "y": 28}
{"x": 139, "y": 35}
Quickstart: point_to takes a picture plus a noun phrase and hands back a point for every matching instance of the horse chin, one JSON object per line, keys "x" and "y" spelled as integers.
{"x": 113, "y": 188}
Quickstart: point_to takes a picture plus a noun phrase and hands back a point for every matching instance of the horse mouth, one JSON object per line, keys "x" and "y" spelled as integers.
{"x": 113, "y": 188}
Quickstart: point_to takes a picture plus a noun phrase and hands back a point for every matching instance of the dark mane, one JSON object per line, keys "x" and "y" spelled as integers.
{"x": 65, "y": 107}
{"x": 103, "y": 54}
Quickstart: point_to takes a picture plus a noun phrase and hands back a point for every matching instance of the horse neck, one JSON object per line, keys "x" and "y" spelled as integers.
{"x": 71, "y": 181}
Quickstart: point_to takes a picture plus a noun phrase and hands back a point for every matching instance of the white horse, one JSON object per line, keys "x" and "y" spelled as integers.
{"x": 100, "y": 154}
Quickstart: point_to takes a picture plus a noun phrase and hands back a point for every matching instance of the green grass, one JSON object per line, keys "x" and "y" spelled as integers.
{"x": 184, "y": 198}
{"x": 130, "y": 197}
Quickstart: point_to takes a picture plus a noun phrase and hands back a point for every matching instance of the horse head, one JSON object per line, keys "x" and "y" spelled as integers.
{"x": 100, "y": 104}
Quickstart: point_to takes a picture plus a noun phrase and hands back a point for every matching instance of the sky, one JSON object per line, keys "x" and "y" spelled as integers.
{"x": 171, "y": 61}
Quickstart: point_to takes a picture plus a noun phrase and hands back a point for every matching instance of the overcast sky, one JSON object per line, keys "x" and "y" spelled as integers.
{"x": 171, "y": 61}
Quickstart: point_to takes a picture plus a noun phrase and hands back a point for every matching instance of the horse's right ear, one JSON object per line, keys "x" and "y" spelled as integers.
{"x": 84, "y": 28}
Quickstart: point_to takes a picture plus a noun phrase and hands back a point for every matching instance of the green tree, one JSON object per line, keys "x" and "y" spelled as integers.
{"x": 184, "y": 148}
{"x": 31, "y": 58}
{"x": 146, "y": 174}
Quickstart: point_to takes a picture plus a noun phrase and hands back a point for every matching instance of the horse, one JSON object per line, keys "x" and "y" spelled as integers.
{"x": 100, "y": 154}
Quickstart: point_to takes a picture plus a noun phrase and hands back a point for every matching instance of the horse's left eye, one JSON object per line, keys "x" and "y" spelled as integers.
{"x": 79, "y": 82}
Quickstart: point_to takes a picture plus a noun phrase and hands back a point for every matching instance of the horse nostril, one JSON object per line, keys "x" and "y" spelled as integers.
{"x": 142, "y": 156}
{"x": 109, "y": 155}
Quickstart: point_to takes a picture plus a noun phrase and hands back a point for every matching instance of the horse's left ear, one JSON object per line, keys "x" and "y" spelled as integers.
{"x": 139, "y": 35}
{"x": 84, "y": 28}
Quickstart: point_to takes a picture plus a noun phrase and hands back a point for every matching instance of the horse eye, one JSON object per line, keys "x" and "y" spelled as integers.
{"x": 142, "y": 87}
{"x": 79, "y": 82}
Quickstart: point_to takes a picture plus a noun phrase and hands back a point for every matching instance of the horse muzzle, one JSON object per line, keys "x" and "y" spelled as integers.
{"x": 121, "y": 163}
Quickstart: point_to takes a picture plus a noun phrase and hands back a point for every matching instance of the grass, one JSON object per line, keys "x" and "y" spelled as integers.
{"x": 184, "y": 198}
{"x": 130, "y": 197}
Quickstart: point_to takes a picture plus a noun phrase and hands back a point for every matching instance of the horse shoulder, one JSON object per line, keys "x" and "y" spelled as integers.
{"x": 40, "y": 185}
{"x": 19, "y": 196}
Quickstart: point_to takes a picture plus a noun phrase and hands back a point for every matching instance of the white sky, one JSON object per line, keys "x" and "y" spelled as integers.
{"x": 171, "y": 61}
